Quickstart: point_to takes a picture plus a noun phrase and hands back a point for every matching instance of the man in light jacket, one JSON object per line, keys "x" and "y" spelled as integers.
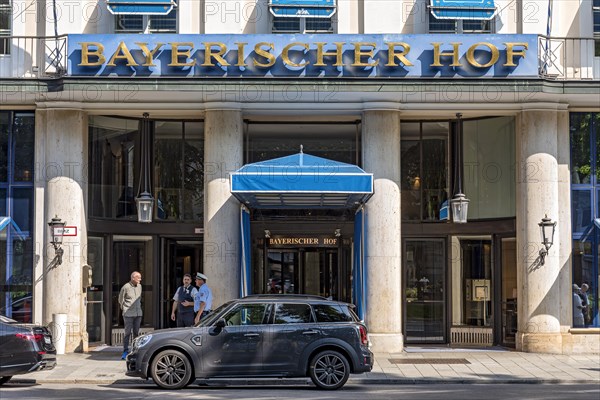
{"x": 130, "y": 300}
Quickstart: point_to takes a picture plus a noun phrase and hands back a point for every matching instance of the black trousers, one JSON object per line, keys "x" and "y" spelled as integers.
{"x": 185, "y": 319}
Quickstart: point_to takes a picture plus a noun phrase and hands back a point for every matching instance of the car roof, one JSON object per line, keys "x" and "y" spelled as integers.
{"x": 306, "y": 298}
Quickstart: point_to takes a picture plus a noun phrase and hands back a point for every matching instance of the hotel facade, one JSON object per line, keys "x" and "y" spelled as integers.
{"x": 310, "y": 147}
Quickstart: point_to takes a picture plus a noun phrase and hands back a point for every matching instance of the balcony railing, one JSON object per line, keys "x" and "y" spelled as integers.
{"x": 28, "y": 57}
{"x": 31, "y": 57}
{"x": 568, "y": 58}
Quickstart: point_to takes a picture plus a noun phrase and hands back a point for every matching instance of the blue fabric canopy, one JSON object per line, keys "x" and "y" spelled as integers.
{"x": 302, "y": 8}
{"x": 133, "y": 7}
{"x": 359, "y": 287}
{"x": 301, "y": 181}
{"x": 245, "y": 259}
{"x": 463, "y": 9}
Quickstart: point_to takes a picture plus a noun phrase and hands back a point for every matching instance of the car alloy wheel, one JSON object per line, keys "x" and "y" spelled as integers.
{"x": 171, "y": 369}
{"x": 329, "y": 370}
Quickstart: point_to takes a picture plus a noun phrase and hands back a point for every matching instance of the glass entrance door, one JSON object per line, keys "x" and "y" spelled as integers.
{"x": 180, "y": 256}
{"x": 425, "y": 291}
{"x": 96, "y": 321}
{"x": 306, "y": 271}
{"x": 133, "y": 253}
{"x": 509, "y": 299}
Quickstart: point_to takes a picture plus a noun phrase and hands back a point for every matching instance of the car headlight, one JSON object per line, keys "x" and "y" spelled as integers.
{"x": 142, "y": 341}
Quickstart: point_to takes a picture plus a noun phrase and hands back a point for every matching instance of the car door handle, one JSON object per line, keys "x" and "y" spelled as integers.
{"x": 251, "y": 334}
{"x": 310, "y": 332}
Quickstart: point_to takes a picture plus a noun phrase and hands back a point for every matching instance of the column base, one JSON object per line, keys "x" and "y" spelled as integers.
{"x": 549, "y": 343}
{"x": 386, "y": 342}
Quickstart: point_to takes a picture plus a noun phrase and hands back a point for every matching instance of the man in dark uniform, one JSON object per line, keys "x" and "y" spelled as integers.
{"x": 183, "y": 303}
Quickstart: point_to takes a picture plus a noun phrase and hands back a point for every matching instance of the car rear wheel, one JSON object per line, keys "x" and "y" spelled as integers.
{"x": 4, "y": 379}
{"x": 329, "y": 370}
{"x": 171, "y": 369}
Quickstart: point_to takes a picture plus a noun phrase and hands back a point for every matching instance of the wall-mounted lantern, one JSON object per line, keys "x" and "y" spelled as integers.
{"x": 547, "y": 228}
{"x": 57, "y": 227}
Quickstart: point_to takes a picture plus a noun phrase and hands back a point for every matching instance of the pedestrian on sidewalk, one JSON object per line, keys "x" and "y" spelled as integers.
{"x": 585, "y": 302}
{"x": 183, "y": 303}
{"x": 203, "y": 299}
{"x": 578, "y": 321}
{"x": 130, "y": 300}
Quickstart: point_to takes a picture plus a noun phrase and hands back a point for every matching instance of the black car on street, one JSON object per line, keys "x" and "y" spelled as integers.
{"x": 259, "y": 336}
{"x": 24, "y": 348}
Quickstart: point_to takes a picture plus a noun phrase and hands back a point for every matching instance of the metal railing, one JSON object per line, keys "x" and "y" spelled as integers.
{"x": 33, "y": 57}
{"x": 37, "y": 57}
{"x": 568, "y": 58}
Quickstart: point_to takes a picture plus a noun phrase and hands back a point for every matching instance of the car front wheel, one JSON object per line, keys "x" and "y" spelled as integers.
{"x": 4, "y": 379}
{"x": 171, "y": 369}
{"x": 329, "y": 370}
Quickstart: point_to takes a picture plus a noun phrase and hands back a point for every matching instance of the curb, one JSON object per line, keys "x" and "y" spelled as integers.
{"x": 306, "y": 381}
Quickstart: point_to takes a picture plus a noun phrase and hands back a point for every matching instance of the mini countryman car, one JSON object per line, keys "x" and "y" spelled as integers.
{"x": 259, "y": 336}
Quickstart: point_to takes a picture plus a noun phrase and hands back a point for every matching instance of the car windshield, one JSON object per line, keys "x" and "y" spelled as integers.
{"x": 212, "y": 317}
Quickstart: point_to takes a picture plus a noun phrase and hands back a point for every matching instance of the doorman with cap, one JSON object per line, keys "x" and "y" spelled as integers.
{"x": 203, "y": 299}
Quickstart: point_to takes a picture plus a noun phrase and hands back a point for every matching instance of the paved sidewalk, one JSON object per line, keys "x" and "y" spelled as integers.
{"x": 415, "y": 365}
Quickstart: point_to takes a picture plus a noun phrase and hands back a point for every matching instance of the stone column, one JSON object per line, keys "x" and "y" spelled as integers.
{"x": 223, "y": 149}
{"x": 62, "y": 148}
{"x": 381, "y": 156}
{"x": 541, "y": 296}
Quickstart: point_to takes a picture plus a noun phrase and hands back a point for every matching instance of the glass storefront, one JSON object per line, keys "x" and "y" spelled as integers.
{"x": 17, "y": 135}
{"x": 425, "y": 290}
{"x": 585, "y": 213}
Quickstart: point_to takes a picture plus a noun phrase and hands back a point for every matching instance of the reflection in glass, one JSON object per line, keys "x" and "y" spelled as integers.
{"x": 424, "y": 170}
{"x": 130, "y": 256}
{"x": 580, "y": 148}
{"x": 424, "y": 273}
{"x": 113, "y": 172}
{"x": 476, "y": 282}
{"x": 23, "y": 143}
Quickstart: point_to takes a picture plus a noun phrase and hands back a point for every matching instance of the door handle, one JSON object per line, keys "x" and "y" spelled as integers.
{"x": 251, "y": 334}
{"x": 310, "y": 332}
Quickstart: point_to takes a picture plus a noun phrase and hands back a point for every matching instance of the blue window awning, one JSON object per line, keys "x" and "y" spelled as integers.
{"x": 133, "y": 7}
{"x": 302, "y": 8}
{"x": 301, "y": 181}
{"x": 463, "y": 9}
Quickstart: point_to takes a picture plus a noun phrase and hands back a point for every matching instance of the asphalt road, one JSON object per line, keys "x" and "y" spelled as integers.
{"x": 349, "y": 392}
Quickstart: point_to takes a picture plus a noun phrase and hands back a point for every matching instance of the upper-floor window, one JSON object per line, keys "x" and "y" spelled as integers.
{"x": 302, "y": 16}
{"x": 5, "y": 26}
{"x": 302, "y": 25}
{"x": 596, "y": 16}
{"x": 147, "y": 23}
{"x": 460, "y": 25}
{"x": 461, "y": 16}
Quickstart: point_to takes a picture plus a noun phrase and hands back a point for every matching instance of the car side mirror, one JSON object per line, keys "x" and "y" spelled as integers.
{"x": 221, "y": 323}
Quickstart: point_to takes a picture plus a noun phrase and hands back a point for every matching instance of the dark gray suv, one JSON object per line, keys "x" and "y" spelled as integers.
{"x": 259, "y": 336}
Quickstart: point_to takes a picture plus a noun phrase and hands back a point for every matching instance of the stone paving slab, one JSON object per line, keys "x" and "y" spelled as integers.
{"x": 104, "y": 366}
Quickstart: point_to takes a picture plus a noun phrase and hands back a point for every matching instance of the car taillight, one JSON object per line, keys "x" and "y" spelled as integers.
{"x": 37, "y": 337}
{"x": 364, "y": 339}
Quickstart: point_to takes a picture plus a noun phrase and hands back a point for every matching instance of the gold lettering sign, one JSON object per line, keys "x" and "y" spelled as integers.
{"x": 511, "y": 53}
{"x": 437, "y": 55}
{"x": 392, "y": 55}
{"x": 149, "y": 54}
{"x": 286, "y": 57}
{"x": 359, "y": 54}
{"x": 337, "y": 53}
{"x": 264, "y": 53}
{"x": 240, "y": 57}
{"x": 209, "y": 55}
{"x": 176, "y": 53}
{"x": 471, "y": 55}
{"x": 302, "y": 241}
{"x": 86, "y": 53}
{"x": 126, "y": 55}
